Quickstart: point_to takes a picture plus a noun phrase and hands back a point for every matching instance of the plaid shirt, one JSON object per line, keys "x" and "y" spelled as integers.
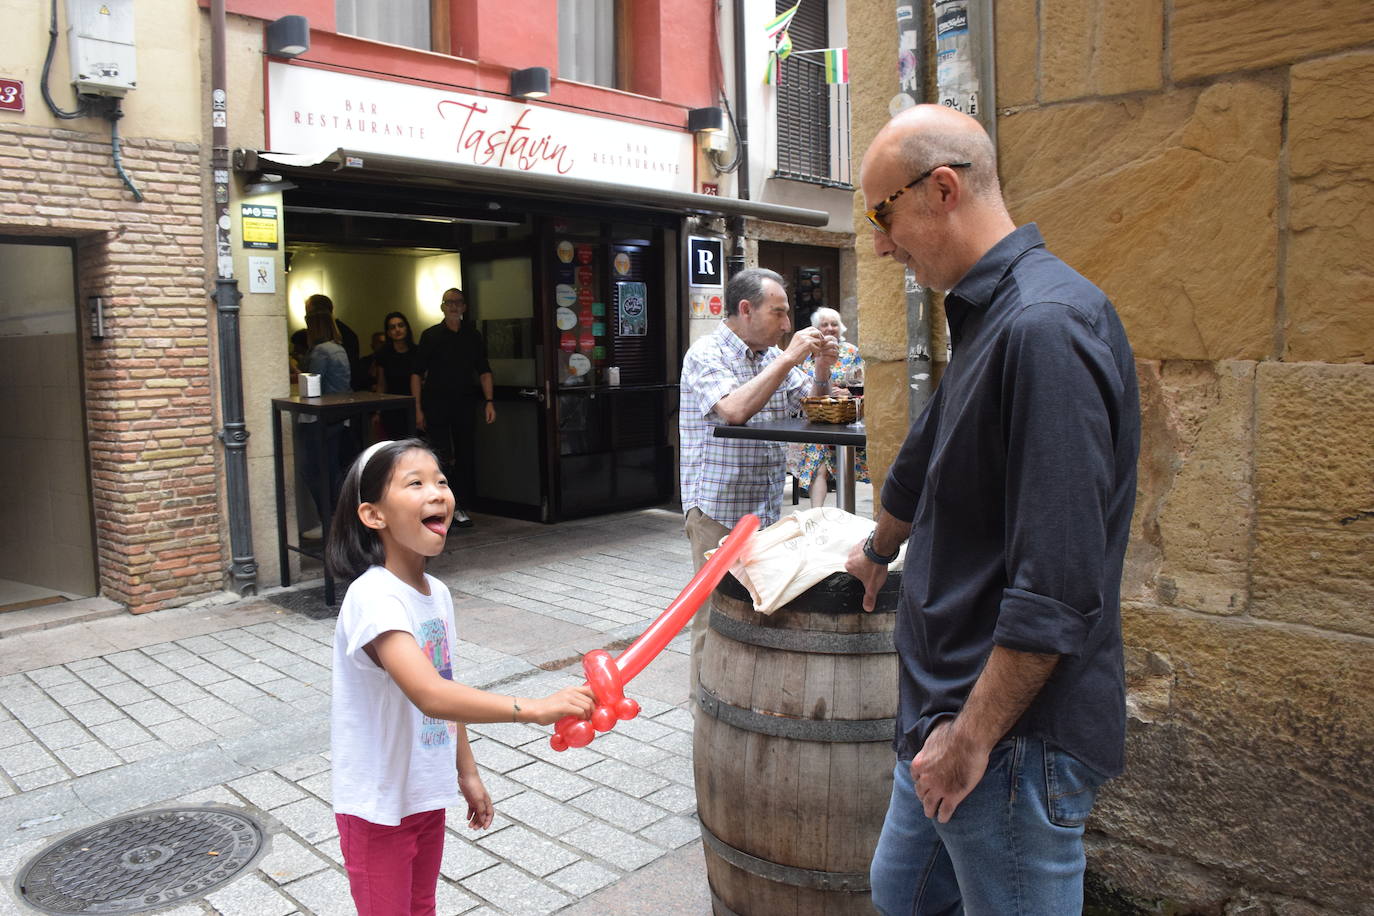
{"x": 729, "y": 478}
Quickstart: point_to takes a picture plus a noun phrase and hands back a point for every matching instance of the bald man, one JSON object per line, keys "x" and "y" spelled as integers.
{"x": 1013, "y": 491}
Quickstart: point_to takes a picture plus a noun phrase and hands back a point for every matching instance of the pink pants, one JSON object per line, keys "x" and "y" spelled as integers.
{"x": 393, "y": 871}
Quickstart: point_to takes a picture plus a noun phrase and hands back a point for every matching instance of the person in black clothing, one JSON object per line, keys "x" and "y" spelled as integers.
{"x": 322, "y": 303}
{"x": 392, "y": 364}
{"x": 1013, "y": 492}
{"x": 450, "y": 379}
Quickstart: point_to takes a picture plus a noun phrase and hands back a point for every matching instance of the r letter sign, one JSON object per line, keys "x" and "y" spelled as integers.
{"x": 707, "y": 261}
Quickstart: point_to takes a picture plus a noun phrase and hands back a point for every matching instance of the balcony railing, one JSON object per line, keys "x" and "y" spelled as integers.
{"x": 813, "y": 124}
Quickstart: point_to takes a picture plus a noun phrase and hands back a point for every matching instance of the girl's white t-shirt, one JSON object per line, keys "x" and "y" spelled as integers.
{"x": 390, "y": 760}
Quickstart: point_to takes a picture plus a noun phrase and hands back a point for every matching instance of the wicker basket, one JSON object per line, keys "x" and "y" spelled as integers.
{"x": 831, "y": 410}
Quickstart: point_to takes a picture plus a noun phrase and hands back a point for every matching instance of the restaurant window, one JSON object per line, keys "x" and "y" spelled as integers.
{"x": 587, "y": 41}
{"x": 813, "y": 115}
{"x": 397, "y": 22}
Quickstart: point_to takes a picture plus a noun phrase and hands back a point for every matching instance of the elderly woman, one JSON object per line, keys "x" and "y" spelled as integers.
{"x": 814, "y": 465}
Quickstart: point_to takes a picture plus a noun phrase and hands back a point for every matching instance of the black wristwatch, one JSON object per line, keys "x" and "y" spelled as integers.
{"x": 876, "y": 557}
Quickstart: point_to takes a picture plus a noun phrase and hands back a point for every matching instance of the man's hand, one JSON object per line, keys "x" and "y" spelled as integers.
{"x": 871, "y": 574}
{"x": 490, "y": 412}
{"x": 803, "y": 344}
{"x": 947, "y": 769}
{"x": 827, "y": 355}
{"x": 419, "y": 419}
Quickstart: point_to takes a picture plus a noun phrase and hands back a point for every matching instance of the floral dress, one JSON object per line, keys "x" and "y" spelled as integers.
{"x": 804, "y": 459}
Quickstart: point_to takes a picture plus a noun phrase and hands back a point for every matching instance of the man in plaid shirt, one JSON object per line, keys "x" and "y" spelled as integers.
{"x": 734, "y": 377}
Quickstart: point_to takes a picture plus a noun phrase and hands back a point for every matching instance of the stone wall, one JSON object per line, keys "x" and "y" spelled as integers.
{"x": 1208, "y": 163}
{"x": 146, "y": 387}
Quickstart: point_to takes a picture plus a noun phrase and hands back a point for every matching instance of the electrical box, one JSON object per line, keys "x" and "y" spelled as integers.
{"x": 101, "y": 43}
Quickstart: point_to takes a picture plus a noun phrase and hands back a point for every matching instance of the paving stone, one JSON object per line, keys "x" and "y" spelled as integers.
{"x": 66, "y": 733}
{"x": 498, "y": 787}
{"x": 226, "y": 658}
{"x": 12, "y": 733}
{"x": 644, "y": 729}
{"x": 628, "y": 750}
{"x": 96, "y": 712}
{"x": 581, "y": 878}
{"x": 619, "y": 809}
{"x": 551, "y": 780}
{"x": 289, "y": 860}
{"x": 287, "y": 689}
{"x": 320, "y": 785}
{"x": 323, "y": 893}
{"x": 678, "y": 769}
{"x": 633, "y": 781}
{"x": 497, "y": 757}
{"x": 183, "y": 733}
{"x": 309, "y": 819}
{"x": 236, "y": 726}
{"x": 127, "y": 692}
{"x": 267, "y": 790}
{"x": 27, "y": 757}
{"x": 675, "y": 798}
{"x": 72, "y": 693}
{"x": 101, "y": 675}
{"x": 511, "y": 734}
{"x": 528, "y": 850}
{"x": 211, "y": 795}
{"x": 462, "y": 857}
{"x": 613, "y": 845}
{"x": 676, "y": 743}
{"x": 256, "y": 673}
{"x": 512, "y": 891}
{"x": 449, "y": 900}
{"x": 205, "y": 675}
{"x": 673, "y": 832}
{"x": 302, "y": 767}
{"x": 37, "y": 779}
{"x": 42, "y": 712}
{"x": 51, "y": 676}
{"x": 249, "y": 895}
{"x": 151, "y": 712}
{"x": 235, "y": 692}
{"x": 148, "y": 749}
{"x": 543, "y": 814}
{"x": 180, "y": 692}
{"x": 154, "y": 676}
{"x": 574, "y": 759}
{"x": 90, "y": 757}
{"x": 208, "y": 710}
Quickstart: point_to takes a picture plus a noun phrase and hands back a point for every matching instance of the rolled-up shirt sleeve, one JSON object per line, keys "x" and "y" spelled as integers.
{"x": 1058, "y": 386}
{"x": 708, "y": 379}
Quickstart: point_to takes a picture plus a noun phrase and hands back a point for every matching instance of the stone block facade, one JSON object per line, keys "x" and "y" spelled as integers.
{"x": 1208, "y": 164}
{"x": 147, "y": 389}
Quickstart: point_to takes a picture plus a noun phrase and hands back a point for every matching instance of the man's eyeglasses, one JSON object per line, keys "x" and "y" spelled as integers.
{"x": 875, "y": 216}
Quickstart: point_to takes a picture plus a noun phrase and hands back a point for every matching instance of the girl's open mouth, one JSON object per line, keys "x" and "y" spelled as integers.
{"x": 436, "y": 523}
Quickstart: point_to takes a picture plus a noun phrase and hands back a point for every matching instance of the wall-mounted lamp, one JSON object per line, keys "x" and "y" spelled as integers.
{"x": 97, "y": 306}
{"x": 705, "y": 120}
{"x": 268, "y": 183}
{"x": 288, "y": 36}
{"x": 530, "y": 83}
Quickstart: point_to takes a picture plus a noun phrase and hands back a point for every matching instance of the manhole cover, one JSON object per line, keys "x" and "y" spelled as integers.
{"x": 141, "y": 862}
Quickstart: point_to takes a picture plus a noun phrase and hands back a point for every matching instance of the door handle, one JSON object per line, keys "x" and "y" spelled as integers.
{"x": 533, "y": 394}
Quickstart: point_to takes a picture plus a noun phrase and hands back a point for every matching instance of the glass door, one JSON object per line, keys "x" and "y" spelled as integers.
{"x": 510, "y": 458}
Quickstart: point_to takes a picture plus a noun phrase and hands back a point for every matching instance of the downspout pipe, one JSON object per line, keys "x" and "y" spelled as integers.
{"x": 735, "y": 262}
{"x": 243, "y": 568}
{"x": 919, "y": 301}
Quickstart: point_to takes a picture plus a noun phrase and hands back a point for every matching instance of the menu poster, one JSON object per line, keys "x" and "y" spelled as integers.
{"x": 632, "y": 309}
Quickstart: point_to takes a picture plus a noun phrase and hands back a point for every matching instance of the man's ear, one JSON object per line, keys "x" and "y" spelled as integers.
{"x": 371, "y": 516}
{"x": 745, "y": 307}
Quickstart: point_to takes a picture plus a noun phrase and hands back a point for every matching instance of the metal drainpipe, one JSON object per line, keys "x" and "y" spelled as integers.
{"x": 912, "y": 33}
{"x": 735, "y": 262}
{"x": 243, "y": 568}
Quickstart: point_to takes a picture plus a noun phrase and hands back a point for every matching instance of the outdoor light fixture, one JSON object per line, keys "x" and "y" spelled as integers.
{"x": 705, "y": 120}
{"x": 530, "y": 83}
{"x": 267, "y": 184}
{"x": 288, "y": 36}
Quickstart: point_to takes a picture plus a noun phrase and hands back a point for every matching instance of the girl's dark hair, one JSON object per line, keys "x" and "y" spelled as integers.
{"x": 410, "y": 340}
{"x": 353, "y": 547}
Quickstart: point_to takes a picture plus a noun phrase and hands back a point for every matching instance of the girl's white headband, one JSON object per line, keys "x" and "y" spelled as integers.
{"x": 363, "y": 459}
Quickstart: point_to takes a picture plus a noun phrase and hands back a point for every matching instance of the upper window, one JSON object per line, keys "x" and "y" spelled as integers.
{"x": 397, "y": 22}
{"x": 587, "y": 31}
{"x": 813, "y": 116}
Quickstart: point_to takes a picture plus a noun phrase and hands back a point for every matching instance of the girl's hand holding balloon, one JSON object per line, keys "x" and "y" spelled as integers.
{"x": 574, "y": 702}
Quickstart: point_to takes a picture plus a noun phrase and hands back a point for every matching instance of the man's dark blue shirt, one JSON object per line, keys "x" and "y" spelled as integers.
{"x": 1019, "y": 481}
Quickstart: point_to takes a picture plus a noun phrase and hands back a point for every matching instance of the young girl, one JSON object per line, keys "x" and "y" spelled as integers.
{"x": 396, "y": 737}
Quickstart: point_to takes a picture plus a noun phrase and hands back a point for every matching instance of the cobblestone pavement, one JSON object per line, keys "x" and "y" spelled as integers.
{"x": 229, "y": 704}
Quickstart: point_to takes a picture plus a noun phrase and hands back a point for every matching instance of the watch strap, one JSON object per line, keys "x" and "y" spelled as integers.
{"x": 873, "y": 554}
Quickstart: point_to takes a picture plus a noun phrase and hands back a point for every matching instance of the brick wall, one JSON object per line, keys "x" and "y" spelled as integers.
{"x": 150, "y": 413}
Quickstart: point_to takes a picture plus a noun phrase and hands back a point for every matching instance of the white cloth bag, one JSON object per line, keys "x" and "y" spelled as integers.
{"x": 785, "y": 559}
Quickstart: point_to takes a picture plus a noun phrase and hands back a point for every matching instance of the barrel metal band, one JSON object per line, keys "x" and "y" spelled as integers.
{"x": 817, "y": 641}
{"x": 848, "y": 881}
{"x": 831, "y": 730}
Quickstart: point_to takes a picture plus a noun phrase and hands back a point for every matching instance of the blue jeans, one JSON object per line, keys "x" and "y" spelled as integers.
{"x": 1014, "y": 846}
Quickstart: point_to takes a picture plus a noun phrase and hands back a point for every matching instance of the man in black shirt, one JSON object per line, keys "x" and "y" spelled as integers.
{"x": 451, "y": 379}
{"x": 1014, "y": 491}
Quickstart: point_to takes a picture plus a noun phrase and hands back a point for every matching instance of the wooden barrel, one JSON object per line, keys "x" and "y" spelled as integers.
{"x": 792, "y": 748}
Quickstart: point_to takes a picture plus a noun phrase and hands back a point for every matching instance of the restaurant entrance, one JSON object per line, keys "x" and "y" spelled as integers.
{"x": 573, "y": 308}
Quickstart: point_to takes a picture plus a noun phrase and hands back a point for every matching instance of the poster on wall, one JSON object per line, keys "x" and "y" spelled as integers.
{"x": 632, "y": 309}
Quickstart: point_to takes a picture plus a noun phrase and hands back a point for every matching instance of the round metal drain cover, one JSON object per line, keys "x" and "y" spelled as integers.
{"x": 141, "y": 862}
